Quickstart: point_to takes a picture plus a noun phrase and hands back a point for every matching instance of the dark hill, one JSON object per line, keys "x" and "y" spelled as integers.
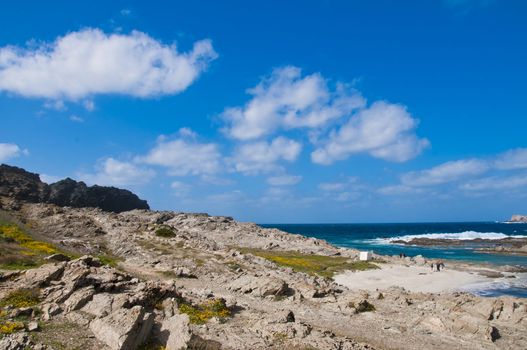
{"x": 20, "y": 184}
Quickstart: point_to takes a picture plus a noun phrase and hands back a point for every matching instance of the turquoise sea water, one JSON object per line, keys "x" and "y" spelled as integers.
{"x": 378, "y": 237}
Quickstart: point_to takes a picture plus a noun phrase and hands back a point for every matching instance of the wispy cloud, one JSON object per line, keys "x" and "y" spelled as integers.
{"x": 284, "y": 180}
{"x": 466, "y": 175}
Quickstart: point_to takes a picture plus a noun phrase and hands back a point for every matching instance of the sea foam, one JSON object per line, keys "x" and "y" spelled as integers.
{"x": 463, "y": 236}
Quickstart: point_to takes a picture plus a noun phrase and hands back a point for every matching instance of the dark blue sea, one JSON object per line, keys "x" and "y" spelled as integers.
{"x": 379, "y": 237}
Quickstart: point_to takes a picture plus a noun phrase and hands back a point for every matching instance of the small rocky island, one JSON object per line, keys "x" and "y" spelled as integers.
{"x": 92, "y": 268}
{"x": 518, "y": 219}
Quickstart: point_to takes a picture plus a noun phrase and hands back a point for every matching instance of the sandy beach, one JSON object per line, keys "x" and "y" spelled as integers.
{"x": 412, "y": 278}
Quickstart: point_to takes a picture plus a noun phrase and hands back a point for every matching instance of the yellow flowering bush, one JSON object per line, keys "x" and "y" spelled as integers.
{"x": 200, "y": 314}
{"x": 10, "y": 327}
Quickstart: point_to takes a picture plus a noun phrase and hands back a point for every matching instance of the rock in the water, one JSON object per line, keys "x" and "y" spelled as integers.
{"x": 124, "y": 329}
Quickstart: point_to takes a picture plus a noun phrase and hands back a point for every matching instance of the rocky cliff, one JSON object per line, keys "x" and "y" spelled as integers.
{"x": 22, "y": 185}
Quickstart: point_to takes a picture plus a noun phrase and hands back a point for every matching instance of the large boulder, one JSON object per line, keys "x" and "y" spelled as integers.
{"x": 175, "y": 332}
{"x": 19, "y": 184}
{"x": 124, "y": 329}
{"x": 262, "y": 286}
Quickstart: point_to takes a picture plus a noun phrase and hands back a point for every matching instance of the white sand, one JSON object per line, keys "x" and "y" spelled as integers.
{"x": 412, "y": 278}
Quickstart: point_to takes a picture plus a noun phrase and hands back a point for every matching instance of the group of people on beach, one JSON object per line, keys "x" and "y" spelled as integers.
{"x": 438, "y": 265}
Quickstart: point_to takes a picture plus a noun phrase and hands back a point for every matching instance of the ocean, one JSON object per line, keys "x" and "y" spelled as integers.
{"x": 378, "y": 237}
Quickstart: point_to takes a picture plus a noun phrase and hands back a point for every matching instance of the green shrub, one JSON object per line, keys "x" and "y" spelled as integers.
{"x": 108, "y": 259}
{"x": 165, "y": 232}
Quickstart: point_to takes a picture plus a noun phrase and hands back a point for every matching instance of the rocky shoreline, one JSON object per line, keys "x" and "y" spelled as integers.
{"x": 144, "y": 279}
{"x": 509, "y": 245}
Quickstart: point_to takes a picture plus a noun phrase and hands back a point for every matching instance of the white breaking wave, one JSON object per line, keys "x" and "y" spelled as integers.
{"x": 487, "y": 288}
{"x": 463, "y": 236}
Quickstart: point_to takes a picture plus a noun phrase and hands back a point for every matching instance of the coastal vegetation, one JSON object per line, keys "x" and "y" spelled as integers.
{"x": 19, "y": 251}
{"x": 201, "y": 313}
{"x": 320, "y": 265}
{"x": 165, "y": 232}
{"x": 21, "y": 298}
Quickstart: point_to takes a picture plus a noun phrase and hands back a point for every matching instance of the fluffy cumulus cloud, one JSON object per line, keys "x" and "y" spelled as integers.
{"x": 446, "y": 172}
{"x": 284, "y": 180}
{"x": 89, "y": 62}
{"x": 383, "y": 130}
{"x": 286, "y": 99}
{"x": 112, "y": 172}
{"x": 262, "y": 156}
{"x": 184, "y": 155}
{"x": 10, "y": 150}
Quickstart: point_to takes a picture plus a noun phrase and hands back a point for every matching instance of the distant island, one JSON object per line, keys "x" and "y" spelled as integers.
{"x": 518, "y": 219}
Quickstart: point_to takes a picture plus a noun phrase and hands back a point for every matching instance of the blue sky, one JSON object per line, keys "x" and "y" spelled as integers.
{"x": 273, "y": 111}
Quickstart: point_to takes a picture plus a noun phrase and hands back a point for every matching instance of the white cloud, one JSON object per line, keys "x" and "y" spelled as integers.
{"x": 383, "y": 130}
{"x": 332, "y": 186}
{"x": 89, "y": 62}
{"x": 10, "y": 150}
{"x": 341, "y": 185}
{"x": 446, "y": 172}
{"x": 89, "y": 105}
{"x": 181, "y": 189}
{"x": 252, "y": 158}
{"x": 112, "y": 172}
{"x": 184, "y": 155}
{"x": 285, "y": 99}
{"x": 513, "y": 159}
{"x": 398, "y": 190}
{"x": 496, "y": 183}
{"x": 235, "y": 196}
{"x": 76, "y": 118}
{"x": 57, "y": 105}
{"x": 284, "y": 180}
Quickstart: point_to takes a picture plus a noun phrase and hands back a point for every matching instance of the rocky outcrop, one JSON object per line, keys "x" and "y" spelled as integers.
{"x": 19, "y": 184}
{"x": 125, "y": 329}
{"x": 518, "y": 219}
